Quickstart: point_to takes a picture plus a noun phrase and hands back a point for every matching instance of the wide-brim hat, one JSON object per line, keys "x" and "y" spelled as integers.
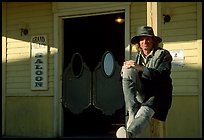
{"x": 145, "y": 31}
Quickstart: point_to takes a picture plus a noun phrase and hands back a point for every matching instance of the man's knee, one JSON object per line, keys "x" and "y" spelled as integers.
{"x": 129, "y": 73}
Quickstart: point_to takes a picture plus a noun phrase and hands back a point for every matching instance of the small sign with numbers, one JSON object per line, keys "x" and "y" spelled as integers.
{"x": 178, "y": 58}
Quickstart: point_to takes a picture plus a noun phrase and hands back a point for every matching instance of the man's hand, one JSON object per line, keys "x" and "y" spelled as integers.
{"x": 131, "y": 64}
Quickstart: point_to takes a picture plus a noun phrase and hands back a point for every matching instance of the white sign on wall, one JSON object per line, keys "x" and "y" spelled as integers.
{"x": 39, "y": 62}
{"x": 178, "y": 58}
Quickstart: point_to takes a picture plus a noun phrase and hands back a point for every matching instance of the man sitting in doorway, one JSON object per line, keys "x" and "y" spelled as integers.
{"x": 147, "y": 85}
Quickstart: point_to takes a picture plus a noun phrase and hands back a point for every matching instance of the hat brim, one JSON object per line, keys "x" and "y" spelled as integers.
{"x": 136, "y": 39}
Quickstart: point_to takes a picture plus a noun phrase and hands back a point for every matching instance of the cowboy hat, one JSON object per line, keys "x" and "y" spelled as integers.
{"x": 145, "y": 31}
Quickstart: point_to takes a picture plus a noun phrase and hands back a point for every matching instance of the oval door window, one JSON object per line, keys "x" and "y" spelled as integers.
{"x": 77, "y": 64}
{"x": 108, "y": 64}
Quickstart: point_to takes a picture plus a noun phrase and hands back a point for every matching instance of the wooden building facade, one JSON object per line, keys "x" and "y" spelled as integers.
{"x": 35, "y": 53}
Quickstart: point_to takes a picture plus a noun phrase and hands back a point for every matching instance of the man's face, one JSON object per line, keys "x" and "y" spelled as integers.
{"x": 146, "y": 43}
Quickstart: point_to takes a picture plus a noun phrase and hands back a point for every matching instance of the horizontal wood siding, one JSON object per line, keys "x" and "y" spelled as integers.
{"x": 138, "y": 16}
{"x": 181, "y": 33}
{"x": 76, "y": 9}
{"x": 39, "y": 18}
{"x": 27, "y": 113}
{"x": 29, "y": 117}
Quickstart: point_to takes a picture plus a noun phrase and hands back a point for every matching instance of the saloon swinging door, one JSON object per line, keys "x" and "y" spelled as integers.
{"x": 92, "y": 98}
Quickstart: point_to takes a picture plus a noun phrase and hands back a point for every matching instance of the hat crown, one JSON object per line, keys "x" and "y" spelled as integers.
{"x": 145, "y": 31}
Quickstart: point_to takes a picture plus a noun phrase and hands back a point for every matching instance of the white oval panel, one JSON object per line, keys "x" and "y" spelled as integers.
{"x": 108, "y": 63}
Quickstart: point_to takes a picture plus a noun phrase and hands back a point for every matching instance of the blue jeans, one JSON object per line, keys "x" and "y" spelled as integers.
{"x": 139, "y": 115}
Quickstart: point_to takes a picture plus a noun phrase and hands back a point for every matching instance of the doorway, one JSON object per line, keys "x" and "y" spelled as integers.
{"x": 93, "y": 104}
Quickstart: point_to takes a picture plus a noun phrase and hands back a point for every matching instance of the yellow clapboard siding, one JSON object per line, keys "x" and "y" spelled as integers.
{"x": 19, "y": 79}
{"x": 179, "y": 24}
{"x": 183, "y": 24}
{"x": 138, "y": 22}
{"x": 24, "y": 4}
{"x": 18, "y": 61}
{"x": 26, "y": 91}
{"x": 31, "y": 8}
{"x": 94, "y": 8}
{"x": 18, "y": 73}
{"x": 65, "y": 5}
{"x": 186, "y": 89}
{"x": 15, "y": 33}
{"x": 18, "y": 67}
{"x": 184, "y": 74}
{"x": 29, "y": 117}
{"x": 15, "y": 62}
{"x": 187, "y": 67}
{"x": 177, "y": 4}
{"x": 18, "y": 44}
{"x": 17, "y": 50}
{"x": 15, "y": 40}
{"x": 52, "y": 51}
{"x": 188, "y": 24}
{"x": 22, "y": 76}
{"x": 23, "y": 85}
{"x": 75, "y": 5}
{"x": 182, "y": 11}
{"x": 39, "y": 22}
{"x": 140, "y": 9}
{"x": 24, "y": 18}
{"x": 183, "y": 118}
{"x": 181, "y": 45}
{"x": 50, "y": 79}
{"x": 186, "y": 17}
{"x": 29, "y": 92}
{"x": 138, "y": 16}
{"x": 179, "y": 32}
{"x": 35, "y": 31}
{"x": 50, "y": 61}
{"x": 187, "y": 82}
{"x": 188, "y": 53}
{"x": 44, "y": 24}
{"x": 185, "y": 9}
{"x": 18, "y": 85}
{"x": 183, "y": 17}
{"x": 179, "y": 38}
{"x": 19, "y": 56}
{"x": 33, "y": 24}
{"x": 191, "y": 60}
{"x": 191, "y": 52}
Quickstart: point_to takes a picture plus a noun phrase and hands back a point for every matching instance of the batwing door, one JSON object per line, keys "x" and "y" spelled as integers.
{"x": 93, "y": 101}
{"x": 92, "y": 98}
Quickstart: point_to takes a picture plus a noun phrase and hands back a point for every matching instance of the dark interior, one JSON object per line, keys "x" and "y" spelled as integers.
{"x": 92, "y": 36}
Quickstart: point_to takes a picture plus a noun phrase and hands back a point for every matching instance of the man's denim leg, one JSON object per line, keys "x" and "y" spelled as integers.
{"x": 131, "y": 84}
{"x": 141, "y": 121}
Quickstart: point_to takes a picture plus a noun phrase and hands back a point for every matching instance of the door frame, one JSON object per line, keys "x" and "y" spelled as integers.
{"x": 59, "y": 14}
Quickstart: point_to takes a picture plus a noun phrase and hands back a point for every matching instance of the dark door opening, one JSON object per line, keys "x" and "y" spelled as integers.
{"x": 91, "y": 37}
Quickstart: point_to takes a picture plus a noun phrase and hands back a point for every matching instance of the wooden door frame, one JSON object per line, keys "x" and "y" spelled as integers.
{"x": 59, "y": 15}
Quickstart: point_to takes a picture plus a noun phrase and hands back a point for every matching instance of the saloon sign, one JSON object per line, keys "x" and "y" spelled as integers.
{"x": 39, "y": 62}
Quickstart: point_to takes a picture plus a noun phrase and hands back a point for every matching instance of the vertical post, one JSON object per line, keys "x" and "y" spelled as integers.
{"x": 154, "y": 16}
{"x": 199, "y": 45}
{"x": 4, "y": 46}
{"x": 157, "y": 128}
